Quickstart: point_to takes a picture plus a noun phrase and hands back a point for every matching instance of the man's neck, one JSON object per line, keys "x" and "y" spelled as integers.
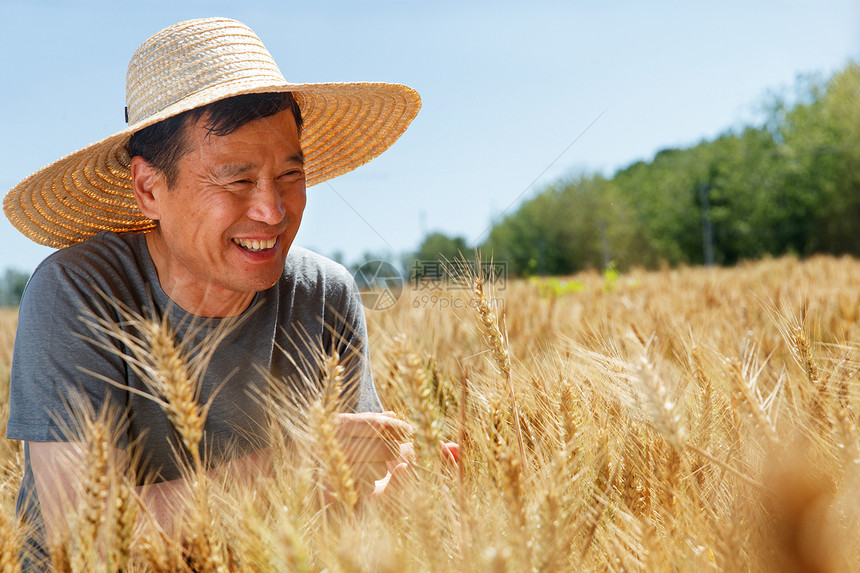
{"x": 203, "y": 300}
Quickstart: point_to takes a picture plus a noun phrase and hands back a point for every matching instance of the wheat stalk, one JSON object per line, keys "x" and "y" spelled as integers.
{"x": 172, "y": 381}
{"x": 93, "y": 499}
{"x": 745, "y": 383}
{"x": 424, "y": 414}
{"x": 10, "y": 545}
{"x": 338, "y": 475}
{"x": 499, "y": 347}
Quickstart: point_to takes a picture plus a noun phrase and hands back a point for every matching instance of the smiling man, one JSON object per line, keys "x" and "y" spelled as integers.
{"x": 229, "y": 215}
{"x": 188, "y": 217}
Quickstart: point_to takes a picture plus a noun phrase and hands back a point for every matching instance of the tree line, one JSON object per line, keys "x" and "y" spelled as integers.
{"x": 789, "y": 185}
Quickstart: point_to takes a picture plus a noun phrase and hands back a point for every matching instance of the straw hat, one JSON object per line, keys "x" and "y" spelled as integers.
{"x": 185, "y": 66}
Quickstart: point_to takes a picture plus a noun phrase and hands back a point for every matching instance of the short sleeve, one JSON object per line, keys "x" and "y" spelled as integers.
{"x": 58, "y": 358}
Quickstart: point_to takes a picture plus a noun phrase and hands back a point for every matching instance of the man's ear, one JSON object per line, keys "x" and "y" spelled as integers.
{"x": 147, "y": 182}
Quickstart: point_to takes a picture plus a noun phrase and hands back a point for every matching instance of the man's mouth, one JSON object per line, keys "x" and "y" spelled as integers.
{"x": 255, "y": 245}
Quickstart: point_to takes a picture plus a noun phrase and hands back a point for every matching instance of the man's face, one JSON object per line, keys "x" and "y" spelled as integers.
{"x": 228, "y": 222}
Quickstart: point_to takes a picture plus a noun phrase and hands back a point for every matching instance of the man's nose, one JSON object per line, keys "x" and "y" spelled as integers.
{"x": 267, "y": 203}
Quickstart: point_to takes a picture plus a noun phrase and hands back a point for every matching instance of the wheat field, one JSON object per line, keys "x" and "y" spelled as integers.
{"x": 685, "y": 419}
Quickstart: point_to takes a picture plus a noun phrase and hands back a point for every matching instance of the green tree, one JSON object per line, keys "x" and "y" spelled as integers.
{"x": 576, "y": 224}
{"x": 742, "y": 178}
{"x": 666, "y": 198}
{"x": 12, "y": 287}
{"x": 789, "y": 185}
{"x": 821, "y": 185}
{"x": 439, "y": 246}
{"x": 436, "y": 253}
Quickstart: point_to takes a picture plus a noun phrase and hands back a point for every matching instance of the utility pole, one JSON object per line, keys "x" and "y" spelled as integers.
{"x": 604, "y": 243}
{"x": 541, "y": 245}
{"x": 707, "y": 233}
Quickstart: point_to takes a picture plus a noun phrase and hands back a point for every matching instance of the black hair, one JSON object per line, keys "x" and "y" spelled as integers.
{"x": 165, "y": 142}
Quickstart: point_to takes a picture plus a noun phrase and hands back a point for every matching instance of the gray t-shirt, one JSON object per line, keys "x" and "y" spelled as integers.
{"x": 314, "y": 308}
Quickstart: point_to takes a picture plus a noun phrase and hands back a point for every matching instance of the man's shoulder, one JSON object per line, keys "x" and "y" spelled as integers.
{"x": 101, "y": 253}
{"x": 107, "y": 263}
{"x": 304, "y": 266}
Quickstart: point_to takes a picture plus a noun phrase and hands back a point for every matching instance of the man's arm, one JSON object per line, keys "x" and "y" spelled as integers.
{"x": 58, "y": 470}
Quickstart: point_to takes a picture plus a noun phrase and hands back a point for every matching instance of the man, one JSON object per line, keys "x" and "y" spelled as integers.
{"x": 188, "y": 217}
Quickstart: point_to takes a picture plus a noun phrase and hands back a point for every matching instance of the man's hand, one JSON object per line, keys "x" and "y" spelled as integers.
{"x": 400, "y": 472}
{"x": 371, "y": 444}
{"x": 379, "y": 455}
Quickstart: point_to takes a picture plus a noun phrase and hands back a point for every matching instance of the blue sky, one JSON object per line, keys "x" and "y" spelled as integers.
{"x": 515, "y": 94}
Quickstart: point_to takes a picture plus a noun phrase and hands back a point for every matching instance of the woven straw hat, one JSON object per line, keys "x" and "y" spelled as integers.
{"x": 185, "y": 66}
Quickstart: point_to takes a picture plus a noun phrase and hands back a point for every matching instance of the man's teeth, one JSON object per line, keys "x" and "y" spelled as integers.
{"x": 255, "y": 244}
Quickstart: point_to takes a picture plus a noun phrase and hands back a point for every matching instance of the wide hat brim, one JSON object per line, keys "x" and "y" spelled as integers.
{"x": 89, "y": 191}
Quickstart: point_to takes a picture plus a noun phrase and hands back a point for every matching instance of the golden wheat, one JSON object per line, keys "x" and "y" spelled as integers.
{"x": 685, "y": 419}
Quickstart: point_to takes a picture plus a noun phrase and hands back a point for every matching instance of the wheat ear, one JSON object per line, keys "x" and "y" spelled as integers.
{"x": 337, "y": 473}
{"x": 93, "y": 501}
{"x": 123, "y": 515}
{"x": 171, "y": 380}
{"x": 745, "y": 384}
{"x": 10, "y": 542}
{"x": 423, "y": 410}
{"x": 499, "y": 346}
